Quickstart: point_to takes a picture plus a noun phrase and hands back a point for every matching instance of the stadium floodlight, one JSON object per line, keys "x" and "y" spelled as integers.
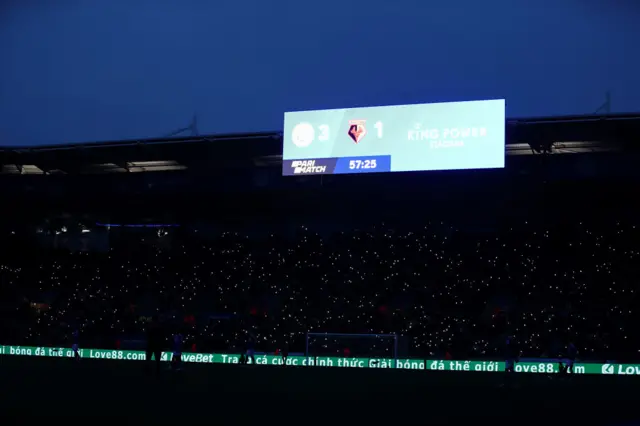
{"x": 360, "y": 346}
{"x": 605, "y": 108}
{"x": 192, "y": 128}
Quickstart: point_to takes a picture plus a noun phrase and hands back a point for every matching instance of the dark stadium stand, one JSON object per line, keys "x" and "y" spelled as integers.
{"x": 138, "y": 176}
{"x": 207, "y": 234}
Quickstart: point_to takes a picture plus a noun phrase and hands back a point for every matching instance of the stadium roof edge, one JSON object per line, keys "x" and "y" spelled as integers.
{"x": 575, "y": 118}
{"x": 278, "y": 134}
{"x": 147, "y": 141}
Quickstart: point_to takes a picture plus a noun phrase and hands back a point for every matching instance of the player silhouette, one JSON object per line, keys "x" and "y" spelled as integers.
{"x": 155, "y": 340}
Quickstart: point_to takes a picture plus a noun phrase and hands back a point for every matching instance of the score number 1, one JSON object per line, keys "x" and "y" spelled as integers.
{"x": 378, "y": 126}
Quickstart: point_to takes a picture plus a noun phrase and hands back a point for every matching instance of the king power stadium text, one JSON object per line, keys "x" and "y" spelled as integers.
{"x": 545, "y": 367}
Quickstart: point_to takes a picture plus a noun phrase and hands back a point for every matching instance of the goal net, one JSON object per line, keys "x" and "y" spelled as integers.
{"x": 352, "y": 350}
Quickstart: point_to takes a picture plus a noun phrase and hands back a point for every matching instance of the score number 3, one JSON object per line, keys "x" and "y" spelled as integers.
{"x": 324, "y": 132}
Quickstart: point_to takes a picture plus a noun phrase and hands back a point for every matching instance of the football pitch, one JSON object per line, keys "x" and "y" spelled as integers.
{"x": 56, "y": 387}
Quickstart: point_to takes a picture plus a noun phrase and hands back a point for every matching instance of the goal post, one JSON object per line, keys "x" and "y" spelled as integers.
{"x": 361, "y": 346}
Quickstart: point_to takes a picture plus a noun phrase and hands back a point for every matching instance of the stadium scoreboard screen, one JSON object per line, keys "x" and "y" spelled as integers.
{"x": 444, "y": 136}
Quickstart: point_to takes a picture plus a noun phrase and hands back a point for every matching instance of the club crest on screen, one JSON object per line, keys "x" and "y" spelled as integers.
{"x": 357, "y": 130}
{"x": 302, "y": 135}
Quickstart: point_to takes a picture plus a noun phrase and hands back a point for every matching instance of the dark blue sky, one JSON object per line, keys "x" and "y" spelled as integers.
{"x": 90, "y": 70}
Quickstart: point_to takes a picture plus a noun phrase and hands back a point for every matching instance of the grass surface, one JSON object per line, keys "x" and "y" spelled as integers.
{"x": 122, "y": 391}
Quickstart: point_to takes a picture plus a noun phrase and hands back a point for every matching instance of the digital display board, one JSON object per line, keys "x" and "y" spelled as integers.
{"x": 402, "y": 138}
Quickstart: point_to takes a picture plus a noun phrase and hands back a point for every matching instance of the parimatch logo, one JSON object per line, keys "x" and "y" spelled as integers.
{"x": 307, "y": 167}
